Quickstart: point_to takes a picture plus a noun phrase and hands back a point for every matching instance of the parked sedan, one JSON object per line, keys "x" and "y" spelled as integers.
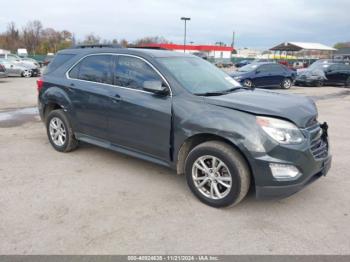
{"x": 324, "y": 74}
{"x": 15, "y": 59}
{"x": 14, "y": 69}
{"x": 265, "y": 74}
{"x": 242, "y": 63}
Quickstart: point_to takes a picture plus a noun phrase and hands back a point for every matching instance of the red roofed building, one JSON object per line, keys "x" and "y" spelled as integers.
{"x": 212, "y": 51}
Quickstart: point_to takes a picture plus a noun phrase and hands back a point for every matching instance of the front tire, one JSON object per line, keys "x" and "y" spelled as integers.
{"x": 248, "y": 83}
{"x": 60, "y": 132}
{"x": 217, "y": 174}
{"x": 286, "y": 83}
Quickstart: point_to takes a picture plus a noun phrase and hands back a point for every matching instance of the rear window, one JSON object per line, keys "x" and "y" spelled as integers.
{"x": 57, "y": 61}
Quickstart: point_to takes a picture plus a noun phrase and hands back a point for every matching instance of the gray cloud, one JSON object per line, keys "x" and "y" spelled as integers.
{"x": 256, "y": 23}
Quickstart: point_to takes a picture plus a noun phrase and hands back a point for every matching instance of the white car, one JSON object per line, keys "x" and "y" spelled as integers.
{"x": 15, "y": 59}
{"x": 15, "y": 69}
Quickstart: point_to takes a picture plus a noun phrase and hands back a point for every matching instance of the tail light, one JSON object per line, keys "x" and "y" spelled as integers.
{"x": 40, "y": 84}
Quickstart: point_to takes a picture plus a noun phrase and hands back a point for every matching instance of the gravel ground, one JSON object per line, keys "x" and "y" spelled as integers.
{"x": 94, "y": 201}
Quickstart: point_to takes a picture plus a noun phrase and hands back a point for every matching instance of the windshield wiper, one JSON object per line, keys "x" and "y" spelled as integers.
{"x": 219, "y": 93}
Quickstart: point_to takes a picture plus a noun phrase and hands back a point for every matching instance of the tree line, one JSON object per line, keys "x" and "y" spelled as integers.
{"x": 38, "y": 39}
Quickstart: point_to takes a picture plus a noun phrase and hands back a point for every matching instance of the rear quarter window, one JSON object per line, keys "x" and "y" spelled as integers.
{"x": 57, "y": 61}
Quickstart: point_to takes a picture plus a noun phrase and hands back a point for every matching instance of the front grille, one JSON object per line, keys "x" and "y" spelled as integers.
{"x": 318, "y": 142}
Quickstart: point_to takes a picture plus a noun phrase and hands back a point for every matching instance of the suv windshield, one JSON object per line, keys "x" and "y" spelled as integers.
{"x": 198, "y": 76}
{"x": 248, "y": 68}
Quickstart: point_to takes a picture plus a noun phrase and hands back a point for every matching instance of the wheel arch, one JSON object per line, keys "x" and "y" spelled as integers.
{"x": 51, "y": 105}
{"x": 194, "y": 140}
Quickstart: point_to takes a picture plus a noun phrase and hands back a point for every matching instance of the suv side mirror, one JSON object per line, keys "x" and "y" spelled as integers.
{"x": 257, "y": 72}
{"x": 155, "y": 86}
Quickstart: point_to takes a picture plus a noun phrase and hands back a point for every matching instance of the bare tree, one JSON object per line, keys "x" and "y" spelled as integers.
{"x": 151, "y": 40}
{"x": 10, "y": 39}
{"x": 92, "y": 39}
{"x": 31, "y": 35}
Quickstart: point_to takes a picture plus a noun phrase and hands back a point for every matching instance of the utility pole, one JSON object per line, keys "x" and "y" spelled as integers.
{"x": 233, "y": 40}
{"x": 185, "y": 19}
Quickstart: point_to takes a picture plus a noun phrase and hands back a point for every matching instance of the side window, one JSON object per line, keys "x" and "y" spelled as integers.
{"x": 95, "y": 68}
{"x": 263, "y": 68}
{"x": 74, "y": 73}
{"x": 276, "y": 68}
{"x": 131, "y": 72}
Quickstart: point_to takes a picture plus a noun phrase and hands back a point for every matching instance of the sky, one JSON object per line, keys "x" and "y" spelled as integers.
{"x": 257, "y": 24}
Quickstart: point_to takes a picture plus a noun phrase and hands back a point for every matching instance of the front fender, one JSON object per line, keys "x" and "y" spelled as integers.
{"x": 237, "y": 127}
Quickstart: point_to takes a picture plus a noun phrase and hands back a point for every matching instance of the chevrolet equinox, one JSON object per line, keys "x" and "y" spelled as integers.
{"x": 182, "y": 112}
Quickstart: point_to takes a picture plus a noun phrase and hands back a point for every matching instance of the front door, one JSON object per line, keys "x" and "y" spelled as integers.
{"x": 262, "y": 76}
{"x": 140, "y": 120}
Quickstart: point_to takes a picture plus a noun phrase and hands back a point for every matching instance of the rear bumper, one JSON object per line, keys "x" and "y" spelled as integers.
{"x": 283, "y": 191}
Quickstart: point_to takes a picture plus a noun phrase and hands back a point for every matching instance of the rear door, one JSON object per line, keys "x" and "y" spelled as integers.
{"x": 140, "y": 120}
{"x": 278, "y": 73}
{"x": 89, "y": 90}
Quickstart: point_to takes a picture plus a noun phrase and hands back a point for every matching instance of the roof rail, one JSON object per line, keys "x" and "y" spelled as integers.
{"x": 97, "y": 46}
{"x": 149, "y": 47}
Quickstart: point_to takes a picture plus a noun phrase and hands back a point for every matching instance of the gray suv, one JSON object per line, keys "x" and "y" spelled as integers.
{"x": 182, "y": 112}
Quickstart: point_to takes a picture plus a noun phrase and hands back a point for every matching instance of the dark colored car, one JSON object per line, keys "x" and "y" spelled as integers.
{"x": 265, "y": 74}
{"x": 325, "y": 74}
{"x": 242, "y": 63}
{"x": 2, "y": 71}
{"x": 182, "y": 112}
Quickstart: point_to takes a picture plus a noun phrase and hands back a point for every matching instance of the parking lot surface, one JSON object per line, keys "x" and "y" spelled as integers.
{"x": 94, "y": 201}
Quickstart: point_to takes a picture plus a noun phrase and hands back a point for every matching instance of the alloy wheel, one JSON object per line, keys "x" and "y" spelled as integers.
{"x": 211, "y": 177}
{"x": 248, "y": 83}
{"x": 57, "y": 131}
{"x": 27, "y": 73}
{"x": 287, "y": 83}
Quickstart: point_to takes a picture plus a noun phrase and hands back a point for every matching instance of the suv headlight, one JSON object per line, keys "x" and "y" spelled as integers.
{"x": 282, "y": 131}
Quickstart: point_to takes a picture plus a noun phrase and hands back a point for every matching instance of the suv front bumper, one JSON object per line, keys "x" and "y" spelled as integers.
{"x": 282, "y": 191}
{"x": 312, "y": 159}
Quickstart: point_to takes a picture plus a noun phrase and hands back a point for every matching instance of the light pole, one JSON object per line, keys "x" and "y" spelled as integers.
{"x": 185, "y": 19}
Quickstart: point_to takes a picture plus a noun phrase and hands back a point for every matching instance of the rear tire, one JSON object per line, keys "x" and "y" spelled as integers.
{"x": 217, "y": 174}
{"x": 60, "y": 132}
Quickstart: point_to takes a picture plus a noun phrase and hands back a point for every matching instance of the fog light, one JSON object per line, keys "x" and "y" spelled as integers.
{"x": 284, "y": 172}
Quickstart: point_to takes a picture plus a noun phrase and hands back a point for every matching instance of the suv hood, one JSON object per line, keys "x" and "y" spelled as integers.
{"x": 300, "y": 110}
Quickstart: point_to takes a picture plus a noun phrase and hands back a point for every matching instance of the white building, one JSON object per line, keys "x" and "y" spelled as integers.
{"x": 3, "y": 51}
